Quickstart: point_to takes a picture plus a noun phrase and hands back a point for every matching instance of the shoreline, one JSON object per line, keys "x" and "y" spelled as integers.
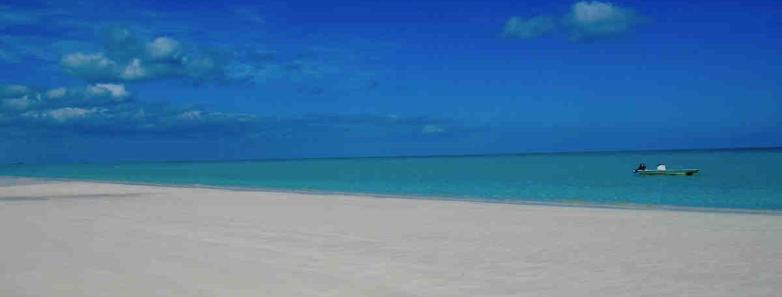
{"x": 574, "y": 204}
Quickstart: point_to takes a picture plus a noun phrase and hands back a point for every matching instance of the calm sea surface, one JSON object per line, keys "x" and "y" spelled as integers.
{"x": 737, "y": 179}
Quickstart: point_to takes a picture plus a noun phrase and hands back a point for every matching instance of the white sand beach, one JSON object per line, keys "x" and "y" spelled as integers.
{"x": 100, "y": 239}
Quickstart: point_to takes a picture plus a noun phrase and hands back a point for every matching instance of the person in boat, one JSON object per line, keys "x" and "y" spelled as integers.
{"x": 661, "y": 167}
{"x": 641, "y": 167}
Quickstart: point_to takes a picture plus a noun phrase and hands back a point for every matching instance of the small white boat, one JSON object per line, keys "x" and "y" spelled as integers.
{"x": 686, "y": 172}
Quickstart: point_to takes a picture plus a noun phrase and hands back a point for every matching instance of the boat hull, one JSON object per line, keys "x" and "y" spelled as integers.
{"x": 672, "y": 172}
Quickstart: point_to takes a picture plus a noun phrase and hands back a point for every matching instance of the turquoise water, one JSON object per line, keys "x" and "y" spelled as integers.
{"x": 737, "y": 179}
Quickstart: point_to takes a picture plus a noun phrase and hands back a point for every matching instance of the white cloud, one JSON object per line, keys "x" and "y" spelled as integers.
{"x": 104, "y": 108}
{"x": 530, "y": 28}
{"x": 77, "y": 110}
{"x": 164, "y": 48}
{"x": 20, "y": 103}
{"x": 585, "y": 21}
{"x": 190, "y": 115}
{"x": 125, "y": 59}
{"x": 116, "y": 91}
{"x": 596, "y": 20}
{"x": 68, "y": 113}
{"x": 61, "y": 115}
{"x": 134, "y": 71}
{"x": 89, "y": 66}
{"x": 56, "y": 93}
{"x": 18, "y": 98}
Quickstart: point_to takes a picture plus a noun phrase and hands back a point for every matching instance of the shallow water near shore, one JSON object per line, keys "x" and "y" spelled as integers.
{"x": 729, "y": 179}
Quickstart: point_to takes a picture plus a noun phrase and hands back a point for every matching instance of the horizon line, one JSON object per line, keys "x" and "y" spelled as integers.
{"x": 413, "y": 156}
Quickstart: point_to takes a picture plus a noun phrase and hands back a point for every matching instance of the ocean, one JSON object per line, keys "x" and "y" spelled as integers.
{"x": 729, "y": 179}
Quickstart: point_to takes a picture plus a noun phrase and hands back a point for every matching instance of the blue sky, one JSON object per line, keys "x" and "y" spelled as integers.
{"x": 140, "y": 80}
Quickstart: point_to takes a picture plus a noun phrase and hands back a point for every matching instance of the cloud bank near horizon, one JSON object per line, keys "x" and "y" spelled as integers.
{"x": 110, "y": 109}
{"x": 102, "y": 108}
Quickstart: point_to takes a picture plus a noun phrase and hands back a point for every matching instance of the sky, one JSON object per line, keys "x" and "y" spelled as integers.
{"x": 94, "y": 81}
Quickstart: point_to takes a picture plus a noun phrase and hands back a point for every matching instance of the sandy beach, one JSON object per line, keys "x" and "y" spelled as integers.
{"x": 100, "y": 239}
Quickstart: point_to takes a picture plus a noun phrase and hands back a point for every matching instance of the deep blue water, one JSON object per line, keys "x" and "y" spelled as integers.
{"x": 732, "y": 179}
